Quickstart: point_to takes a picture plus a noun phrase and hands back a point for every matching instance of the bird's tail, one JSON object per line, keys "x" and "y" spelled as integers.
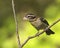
{"x": 48, "y": 32}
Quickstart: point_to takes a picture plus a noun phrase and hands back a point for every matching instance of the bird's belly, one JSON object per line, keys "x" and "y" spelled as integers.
{"x": 39, "y": 26}
{"x": 42, "y": 26}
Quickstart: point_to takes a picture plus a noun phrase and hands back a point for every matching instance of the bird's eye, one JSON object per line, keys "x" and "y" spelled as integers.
{"x": 29, "y": 16}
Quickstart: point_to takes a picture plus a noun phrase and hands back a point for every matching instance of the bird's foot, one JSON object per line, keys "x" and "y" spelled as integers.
{"x": 37, "y": 34}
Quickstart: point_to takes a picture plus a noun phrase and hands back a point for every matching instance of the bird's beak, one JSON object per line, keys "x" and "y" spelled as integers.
{"x": 25, "y": 18}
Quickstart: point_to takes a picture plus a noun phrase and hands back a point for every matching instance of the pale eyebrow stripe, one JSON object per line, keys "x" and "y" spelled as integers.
{"x": 30, "y": 15}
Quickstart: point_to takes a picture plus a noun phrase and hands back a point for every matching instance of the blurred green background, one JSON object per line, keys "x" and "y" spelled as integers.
{"x": 49, "y": 9}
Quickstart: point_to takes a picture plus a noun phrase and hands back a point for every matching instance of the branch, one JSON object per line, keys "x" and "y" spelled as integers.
{"x": 16, "y": 22}
{"x": 31, "y": 37}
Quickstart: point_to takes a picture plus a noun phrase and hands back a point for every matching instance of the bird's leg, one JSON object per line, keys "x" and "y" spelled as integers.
{"x": 37, "y": 33}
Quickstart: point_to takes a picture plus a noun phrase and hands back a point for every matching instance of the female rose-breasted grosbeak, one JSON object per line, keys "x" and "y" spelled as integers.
{"x": 38, "y": 22}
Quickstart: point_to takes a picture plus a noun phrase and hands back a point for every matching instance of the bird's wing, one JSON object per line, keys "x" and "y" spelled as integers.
{"x": 44, "y": 20}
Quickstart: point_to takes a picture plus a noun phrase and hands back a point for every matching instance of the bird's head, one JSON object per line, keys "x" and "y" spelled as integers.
{"x": 29, "y": 17}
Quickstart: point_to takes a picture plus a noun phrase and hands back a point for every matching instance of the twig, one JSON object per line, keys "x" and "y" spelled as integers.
{"x": 16, "y": 22}
{"x": 39, "y": 33}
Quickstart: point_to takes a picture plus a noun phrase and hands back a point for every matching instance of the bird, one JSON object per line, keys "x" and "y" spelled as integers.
{"x": 38, "y": 23}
